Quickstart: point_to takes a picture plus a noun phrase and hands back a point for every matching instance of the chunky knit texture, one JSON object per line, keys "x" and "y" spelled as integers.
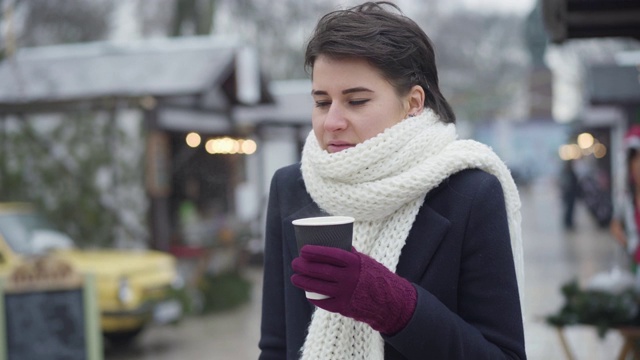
{"x": 382, "y": 183}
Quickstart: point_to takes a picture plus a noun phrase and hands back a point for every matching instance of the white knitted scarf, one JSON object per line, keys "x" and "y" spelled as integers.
{"x": 382, "y": 183}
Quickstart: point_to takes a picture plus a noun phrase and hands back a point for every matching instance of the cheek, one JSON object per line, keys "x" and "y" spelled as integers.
{"x": 379, "y": 120}
{"x": 368, "y": 130}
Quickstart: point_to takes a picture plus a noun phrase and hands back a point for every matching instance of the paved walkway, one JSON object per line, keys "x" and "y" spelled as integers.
{"x": 552, "y": 257}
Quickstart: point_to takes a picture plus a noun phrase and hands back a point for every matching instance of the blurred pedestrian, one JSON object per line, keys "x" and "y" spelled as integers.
{"x": 189, "y": 214}
{"x": 626, "y": 218}
{"x": 436, "y": 261}
{"x": 570, "y": 188}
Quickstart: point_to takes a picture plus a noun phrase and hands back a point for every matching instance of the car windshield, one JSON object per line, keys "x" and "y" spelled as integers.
{"x": 31, "y": 234}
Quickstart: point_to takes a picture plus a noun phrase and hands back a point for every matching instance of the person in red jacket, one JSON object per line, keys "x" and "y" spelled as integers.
{"x": 626, "y": 219}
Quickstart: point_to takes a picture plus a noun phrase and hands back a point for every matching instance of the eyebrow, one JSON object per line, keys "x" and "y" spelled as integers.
{"x": 344, "y": 92}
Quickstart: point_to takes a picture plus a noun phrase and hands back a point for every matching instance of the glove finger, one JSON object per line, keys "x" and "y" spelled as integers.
{"x": 320, "y": 271}
{"x": 328, "y": 255}
{"x": 314, "y": 285}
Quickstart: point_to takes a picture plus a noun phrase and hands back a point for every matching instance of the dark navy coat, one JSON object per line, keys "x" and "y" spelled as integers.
{"x": 458, "y": 255}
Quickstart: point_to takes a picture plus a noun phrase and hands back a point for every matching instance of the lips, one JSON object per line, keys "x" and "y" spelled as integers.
{"x": 336, "y": 146}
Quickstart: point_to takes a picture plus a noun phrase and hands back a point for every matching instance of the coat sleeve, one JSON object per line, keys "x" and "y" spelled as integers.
{"x": 273, "y": 330}
{"x": 486, "y": 320}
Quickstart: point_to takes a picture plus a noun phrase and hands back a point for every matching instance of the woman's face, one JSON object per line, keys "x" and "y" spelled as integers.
{"x": 353, "y": 102}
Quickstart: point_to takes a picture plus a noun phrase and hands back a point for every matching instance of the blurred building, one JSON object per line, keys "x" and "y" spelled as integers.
{"x": 581, "y": 19}
{"x": 612, "y": 90}
{"x": 529, "y": 145}
{"x": 213, "y": 129}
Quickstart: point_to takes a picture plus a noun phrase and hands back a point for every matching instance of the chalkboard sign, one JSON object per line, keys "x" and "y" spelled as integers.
{"x": 50, "y": 323}
{"x": 45, "y": 325}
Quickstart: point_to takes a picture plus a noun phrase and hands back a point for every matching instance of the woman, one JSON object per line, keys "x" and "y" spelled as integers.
{"x": 436, "y": 247}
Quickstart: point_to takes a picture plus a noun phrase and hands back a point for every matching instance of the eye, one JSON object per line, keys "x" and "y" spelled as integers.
{"x": 358, "y": 102}
{"x": 322, "y": 104}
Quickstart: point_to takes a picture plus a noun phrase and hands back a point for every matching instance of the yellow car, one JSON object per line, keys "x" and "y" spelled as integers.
{"x": 136, "y": 288}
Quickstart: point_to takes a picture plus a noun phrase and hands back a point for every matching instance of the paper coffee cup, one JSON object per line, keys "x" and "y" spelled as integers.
{"x": 332, "y": 231}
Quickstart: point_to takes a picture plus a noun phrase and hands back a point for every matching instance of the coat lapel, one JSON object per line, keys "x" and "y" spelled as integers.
{"x": 428, "y": 231}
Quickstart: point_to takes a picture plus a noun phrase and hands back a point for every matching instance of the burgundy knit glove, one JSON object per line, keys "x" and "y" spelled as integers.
{"x": 358, "y": 287}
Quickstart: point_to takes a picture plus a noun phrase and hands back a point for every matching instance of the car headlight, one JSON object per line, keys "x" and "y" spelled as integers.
{"x": 125, "y": 294}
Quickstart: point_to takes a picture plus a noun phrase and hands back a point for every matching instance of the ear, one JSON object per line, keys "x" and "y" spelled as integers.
{"x": 415, "y": 100}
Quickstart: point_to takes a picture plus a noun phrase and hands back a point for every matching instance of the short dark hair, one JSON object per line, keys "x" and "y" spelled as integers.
{"x": 389, "y": 41}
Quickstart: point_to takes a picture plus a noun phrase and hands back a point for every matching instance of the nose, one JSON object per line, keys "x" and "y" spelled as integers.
{"x": 335, "y": 119}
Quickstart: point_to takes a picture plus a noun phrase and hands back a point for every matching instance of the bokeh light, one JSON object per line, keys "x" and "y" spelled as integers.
{"x": 570, "y": 152}
{"x": 249, "y": 147}
{"x": 599, "y": 150}
{"x": 227, "y": 145}
{"x": 585, "y": 140}
{"x": 193, "y": 139}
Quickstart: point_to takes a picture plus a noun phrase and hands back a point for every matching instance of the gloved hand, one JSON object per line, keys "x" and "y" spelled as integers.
{"x": 358, "y": 287}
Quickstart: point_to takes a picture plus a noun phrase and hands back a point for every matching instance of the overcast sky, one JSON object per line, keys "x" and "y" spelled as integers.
{"x": 509, "y": 6}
